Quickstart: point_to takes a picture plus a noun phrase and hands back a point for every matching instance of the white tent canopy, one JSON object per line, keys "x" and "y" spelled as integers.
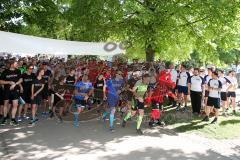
{"x": 30, "y": 45}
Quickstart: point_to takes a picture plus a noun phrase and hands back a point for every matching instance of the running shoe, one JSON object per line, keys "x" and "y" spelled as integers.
{"x": 112, "y": 129}
{"x": 60, "y": 120}
{"x": 44, "y": 114}
{"x": 234, "y": 112}
{"x": 51, "y": 115}
{"x": 4, "y": 122}
{"x": 214, "y": 121}
{"x": 178, "y": 108}
{"x": 124, "y": 123}
{"x": 13, "y": 122}
{"x": 19, "y": 119}
{"x": 206, "y": 119}
{"x": 224, "y": 114}
{"x": 139, "y": 131}
{"x": 185, "y": 109}
{"x": 76, "y": 124}
{"x": 26, "y": 117}
{"x": 33, "y": 121}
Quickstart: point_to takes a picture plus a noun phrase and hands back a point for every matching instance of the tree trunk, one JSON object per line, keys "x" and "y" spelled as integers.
{"x": 150, "y": 54}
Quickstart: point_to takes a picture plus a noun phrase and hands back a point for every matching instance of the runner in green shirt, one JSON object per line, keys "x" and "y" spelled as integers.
{"x": 140, "y": 93}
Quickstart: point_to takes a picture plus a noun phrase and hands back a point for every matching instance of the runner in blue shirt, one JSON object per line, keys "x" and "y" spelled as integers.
{"x": 83, "y": 89}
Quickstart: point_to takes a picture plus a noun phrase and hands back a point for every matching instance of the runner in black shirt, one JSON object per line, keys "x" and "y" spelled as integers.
{"x": 70, "y": 82}
{"x": 59, "y": 90}
{"x": 12, "y": 80}
{"x": 36, "y": 93}
{"x": 46, "y": 95}
{"x": 27, "y": 79}
{"x": 100, "y": 90}
{"x": 129, "y": 87}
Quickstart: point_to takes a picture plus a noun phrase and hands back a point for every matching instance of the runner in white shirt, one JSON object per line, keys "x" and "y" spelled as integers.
{"x": 182, "y": 87}
{"x": 195, "y": 89}
{"x": 206, "y": 80}
{"x": 214, "y": 88}
{"x": 226, "y": 84}
{"x": 232, "y": 90}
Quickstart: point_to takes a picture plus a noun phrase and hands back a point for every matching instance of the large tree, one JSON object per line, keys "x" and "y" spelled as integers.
{"x": 171, "y": 28}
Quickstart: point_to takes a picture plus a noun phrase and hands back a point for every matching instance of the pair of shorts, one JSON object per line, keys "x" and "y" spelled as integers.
{"x": 80, "y": 103}
{"x": 183, "y": 89}
{"x": 98, "y": 101}
{"x": 37, "y": 100}
{"x": 231, "y": 94}
{"x": 137, "y": 105}
{"x": 1, "y": 97}
{"x": 213, "y": 102}
{"x": 26, "y": 97}
{"x": 56, "y": 100}
{"x": 45, "y": 94}
{"x": 224, "y": 96}
{"x": 11, "y": 95}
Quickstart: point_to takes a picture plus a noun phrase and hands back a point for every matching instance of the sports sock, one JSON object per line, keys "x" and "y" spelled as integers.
{"x": 139, "y": 122}
{"x": 129, "y": 115}
{"x": 111, "y": 120}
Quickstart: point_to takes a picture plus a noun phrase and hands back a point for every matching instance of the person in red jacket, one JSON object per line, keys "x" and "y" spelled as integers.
{"x": 158, "y": 96}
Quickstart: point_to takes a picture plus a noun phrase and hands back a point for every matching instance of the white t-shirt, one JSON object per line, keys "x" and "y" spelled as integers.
{"x": 225, "y": 83}
{"x": 234, "y": 82}
{"x": 196, "y": 83}
{"x": 183, "y": 78}
{"x": 216, "y": 84}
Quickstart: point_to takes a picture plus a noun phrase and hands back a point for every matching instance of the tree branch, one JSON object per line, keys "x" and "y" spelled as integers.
{"x": 193, "y": 22}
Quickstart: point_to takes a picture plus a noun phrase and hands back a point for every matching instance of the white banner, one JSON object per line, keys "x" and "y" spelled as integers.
{"x": 27, "y": 45}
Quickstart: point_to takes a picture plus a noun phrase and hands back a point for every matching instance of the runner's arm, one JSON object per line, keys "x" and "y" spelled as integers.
{"x": 35, "y": 94}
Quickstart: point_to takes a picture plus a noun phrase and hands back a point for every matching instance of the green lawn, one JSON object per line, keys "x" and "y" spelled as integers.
{"x": 226, "y": 128}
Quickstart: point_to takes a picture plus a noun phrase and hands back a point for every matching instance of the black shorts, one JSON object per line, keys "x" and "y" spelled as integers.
{"x": 37, "y": 100}
{"x": 56, "y": 100}
{"x": 26, "y": 96}
{"x": 224, "y": 96}
{"x": 80, "y": 103}
{"x": 98, "y": 101}
{"x": 11, "y": 95}
{"x": 231, "y": 94}
{"x": 45, "y": 94}
{"x": 213, "y": 102}
{"x": 1, "y": 96}
{"x": 138, "y": 105}
{"x": 183, "y": 89}
{"x": 206, "y": 94}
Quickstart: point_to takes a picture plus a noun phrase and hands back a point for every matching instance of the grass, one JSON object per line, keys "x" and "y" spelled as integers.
{"x": 226, "y": 128}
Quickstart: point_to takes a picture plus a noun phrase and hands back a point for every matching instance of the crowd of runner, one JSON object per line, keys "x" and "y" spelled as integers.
{"x": 27, "y": 84}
